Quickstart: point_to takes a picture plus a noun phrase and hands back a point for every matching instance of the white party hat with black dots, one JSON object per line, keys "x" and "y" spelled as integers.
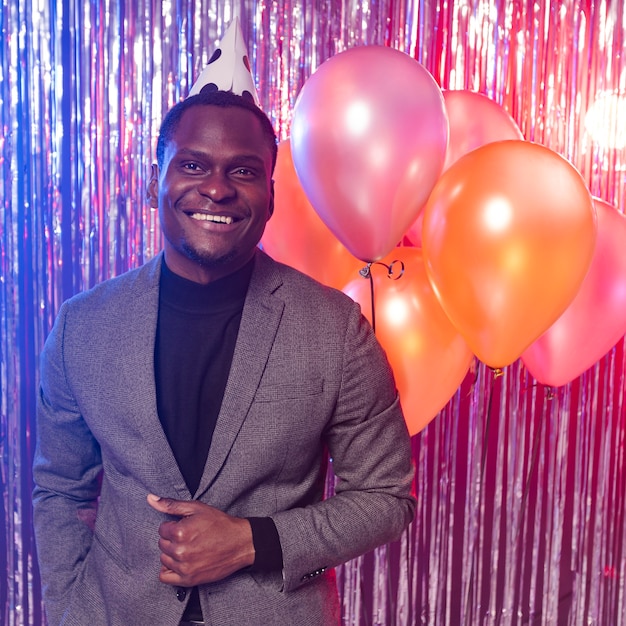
{"x": 229, "y": 67}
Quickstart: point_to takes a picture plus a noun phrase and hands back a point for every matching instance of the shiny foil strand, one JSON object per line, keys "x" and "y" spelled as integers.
{"x": 84, "y": 87}
{"x": 474, "y": 505}
{"x": 614, "y": 517}
{"x": 447, "y": 430}
{"x": 614, "y": 452}
{"x": 595, "y": 507}
{"x": 437, "y": 534}
{"x": 494, "y": 551}
{"x": 510, "y": 548}
{"x": 380, "y": 581}
{"x": 621, "y": 525}
{"x": 402, "y": 614}
{"x": 416, "y": 530}
{"x": 445, "y": 463}
{"x": 604, "y": 532}
{"x": 557, "y": 472}
{"x": 580, "y": 496}
{"x": 524, "y": 501}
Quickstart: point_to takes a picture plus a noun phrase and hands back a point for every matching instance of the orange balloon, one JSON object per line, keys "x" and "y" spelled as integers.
{"x": 428, "y": 356}
{"x": 508, "y": 236}
{"x": 296, "y": 235}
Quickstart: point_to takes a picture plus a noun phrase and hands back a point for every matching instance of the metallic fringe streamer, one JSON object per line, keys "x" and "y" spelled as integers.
{"x": 521, "y": 489}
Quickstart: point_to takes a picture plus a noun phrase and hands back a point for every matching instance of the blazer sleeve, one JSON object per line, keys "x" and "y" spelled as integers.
{"x": 66, "y": 472}
{"x": 370, "y": 451}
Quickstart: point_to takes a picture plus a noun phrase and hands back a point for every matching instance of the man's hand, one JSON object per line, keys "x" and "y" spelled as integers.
{"x": 203, "y": 546}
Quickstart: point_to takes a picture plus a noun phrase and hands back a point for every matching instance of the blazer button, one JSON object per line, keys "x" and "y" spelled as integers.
{"x": 181, "y": 594}
{"x": 317, "y": 572}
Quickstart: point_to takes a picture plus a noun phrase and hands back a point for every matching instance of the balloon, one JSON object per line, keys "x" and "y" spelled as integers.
{"x": 368, "y": 138}
{"x": 475, "y": 121}
{"x": 297, "y": 236}
{"x": 428, "y": 356}
{"x": 414, "y": 232}
{"x": 596, "y": 319}
{"x": 508, "y": 237}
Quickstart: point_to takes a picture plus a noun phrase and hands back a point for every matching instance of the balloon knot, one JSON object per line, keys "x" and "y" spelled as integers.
{"x": 366, "y": 271}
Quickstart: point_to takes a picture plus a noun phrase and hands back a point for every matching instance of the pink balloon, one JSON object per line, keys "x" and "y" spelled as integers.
{"x": 475, "y": 120}
{"x": 368, "y": 139}
{"x": 596, "y": 319}
{"x": 414, "y": 232}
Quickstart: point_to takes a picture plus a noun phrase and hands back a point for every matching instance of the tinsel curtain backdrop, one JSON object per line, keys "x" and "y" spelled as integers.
{"x": 522, "y": 503}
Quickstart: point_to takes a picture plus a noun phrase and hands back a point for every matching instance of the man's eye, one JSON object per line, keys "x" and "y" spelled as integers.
{"x": 191, "y": 166}
{"x": 244, "y": 171}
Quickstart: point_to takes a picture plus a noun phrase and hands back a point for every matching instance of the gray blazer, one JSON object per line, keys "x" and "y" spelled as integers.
{"x": 308, "y": 377}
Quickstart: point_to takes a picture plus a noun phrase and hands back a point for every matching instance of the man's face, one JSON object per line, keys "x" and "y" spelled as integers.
{"x": 214, "y": 191}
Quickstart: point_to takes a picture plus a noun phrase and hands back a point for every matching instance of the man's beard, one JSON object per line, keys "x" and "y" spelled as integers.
{"x": 205, "y": 258}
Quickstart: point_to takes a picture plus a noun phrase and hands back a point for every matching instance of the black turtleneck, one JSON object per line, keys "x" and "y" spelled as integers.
{"x": 196, "y": 334}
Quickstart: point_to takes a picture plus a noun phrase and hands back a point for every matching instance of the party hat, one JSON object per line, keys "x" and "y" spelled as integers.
{"x": 229, "y": 67}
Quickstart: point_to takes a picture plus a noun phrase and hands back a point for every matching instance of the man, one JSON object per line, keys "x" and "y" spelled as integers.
{"x": 188, "y": 409}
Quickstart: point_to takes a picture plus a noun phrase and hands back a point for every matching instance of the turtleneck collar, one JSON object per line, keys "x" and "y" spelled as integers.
{"x": 188, "y": 295}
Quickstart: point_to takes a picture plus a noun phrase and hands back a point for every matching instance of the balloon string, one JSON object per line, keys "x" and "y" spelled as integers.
{"x": 366, "y": 272}
{"x": 483, "y": 462}
{"x": 533, "y": 461}
{"x": 497, "y": 373}
{"x": 372, "y": 301}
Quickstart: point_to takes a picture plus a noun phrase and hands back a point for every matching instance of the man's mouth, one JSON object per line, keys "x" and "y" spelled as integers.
{"x": 209, "y": 217}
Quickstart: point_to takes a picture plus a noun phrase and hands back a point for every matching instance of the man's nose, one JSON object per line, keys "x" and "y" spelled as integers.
{"x": 216, "y": 186}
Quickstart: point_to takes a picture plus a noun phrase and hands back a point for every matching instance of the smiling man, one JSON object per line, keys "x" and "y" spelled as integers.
{"x": 189, "y": 410}
{"x": 213, "y": 185}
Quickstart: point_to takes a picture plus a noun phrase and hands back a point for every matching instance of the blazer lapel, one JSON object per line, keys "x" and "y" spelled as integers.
{"x": 142, "y": 315}
{"x": 259, "y": 323}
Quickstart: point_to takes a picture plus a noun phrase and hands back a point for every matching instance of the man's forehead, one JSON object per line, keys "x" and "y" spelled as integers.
{"x": 208, "y": 132}
{"x": 219, "y": 113}
{"x": 232, "y": 123}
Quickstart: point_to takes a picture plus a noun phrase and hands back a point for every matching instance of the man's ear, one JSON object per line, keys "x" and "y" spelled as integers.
{"x": 152, "y": 191}
{"x": 271, "y": 207}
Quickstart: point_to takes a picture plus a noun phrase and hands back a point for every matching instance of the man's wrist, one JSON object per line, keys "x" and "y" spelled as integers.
{"x": 248, "y": 551}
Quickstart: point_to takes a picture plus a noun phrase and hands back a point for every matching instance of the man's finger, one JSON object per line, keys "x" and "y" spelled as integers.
{"x": 181, "y": 508}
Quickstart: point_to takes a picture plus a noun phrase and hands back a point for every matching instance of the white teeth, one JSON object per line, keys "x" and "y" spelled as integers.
{"x": 205, "y": 217}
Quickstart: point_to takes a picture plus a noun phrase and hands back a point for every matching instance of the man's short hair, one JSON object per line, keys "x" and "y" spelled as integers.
{"x": 214, "y": 98}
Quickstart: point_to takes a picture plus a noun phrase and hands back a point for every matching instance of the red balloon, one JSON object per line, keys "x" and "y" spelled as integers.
{"x": 428, "y": 356}
{"x": 297, "y": 236}
{"x": 596, "y": 319}
{"x": 368, "y": 136}
{"x": 508, "y": 236}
